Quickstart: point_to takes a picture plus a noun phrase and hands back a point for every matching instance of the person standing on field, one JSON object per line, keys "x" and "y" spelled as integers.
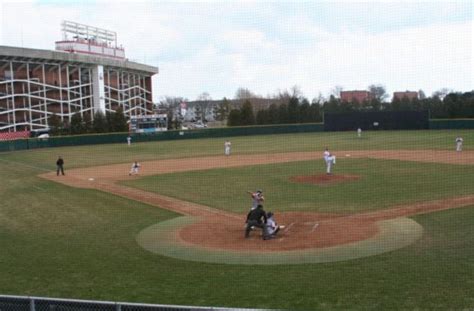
{"x": 459, "y": 142}
{"x": 330, "y": 160}
{"x": 129, "y": 141}
{"x": 227, "y": 146}
{"x": 60, "y": 166}
{"x": 359, "y": 132}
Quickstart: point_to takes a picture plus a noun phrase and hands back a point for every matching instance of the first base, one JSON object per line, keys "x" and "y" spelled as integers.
{"x": 348, "y": 155}
{"x": 91, "y": 179}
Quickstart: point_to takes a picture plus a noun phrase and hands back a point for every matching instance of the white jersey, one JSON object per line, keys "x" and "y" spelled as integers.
{"x": 326, "y": 155}
{"x": 227, "y": 145}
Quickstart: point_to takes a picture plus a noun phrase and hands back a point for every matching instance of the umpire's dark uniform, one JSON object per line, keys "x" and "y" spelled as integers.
{"x": 254, "y": 219}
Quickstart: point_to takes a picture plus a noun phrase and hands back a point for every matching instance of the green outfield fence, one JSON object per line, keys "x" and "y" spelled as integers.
{"x": 111, "y": 138}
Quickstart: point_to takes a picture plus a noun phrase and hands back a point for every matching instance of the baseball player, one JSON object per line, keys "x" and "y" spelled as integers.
{"x": 134, "y": 169}
{"x": 60, "y": 166}
{"x": 359, "y": 132}
{"x": 257, "y": 198}
{"x": 129, "y": 141}
{"x": 330, "y": 160}
{"x": 227, "y": 146}
{"x": 272, "y": 227}
{"x": 459, "y": 142}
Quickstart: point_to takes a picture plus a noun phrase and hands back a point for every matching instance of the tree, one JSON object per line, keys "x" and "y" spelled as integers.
{"x": 221, "y": 111}
{"x": 100, "y": 123}
{"x": 234, "y": 118}
{"x": 247, "y": 116}
{"x": 441, "y": 93}
{"x": 55, "y": 124}
{"x": 293, "y": 110}
{"x": 203, "y": 104}
{"x": 378, "y": 92}
{"x": 119, "y": 122}
{"x": 336, "y": 91}
{"x": 244, "y": 93}
{"x": 273, "y": 114}
{"x": 77, "y": 126}
{"x": 421, "y": 95}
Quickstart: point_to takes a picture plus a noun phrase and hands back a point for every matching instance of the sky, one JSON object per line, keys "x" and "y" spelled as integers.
{"x": 268, "y": 47}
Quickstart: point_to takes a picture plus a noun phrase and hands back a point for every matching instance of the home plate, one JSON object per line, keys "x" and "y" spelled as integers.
{"x": 91, "y": 179}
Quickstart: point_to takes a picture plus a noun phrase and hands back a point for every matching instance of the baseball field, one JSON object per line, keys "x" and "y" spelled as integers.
{"x": 392, "y": 228}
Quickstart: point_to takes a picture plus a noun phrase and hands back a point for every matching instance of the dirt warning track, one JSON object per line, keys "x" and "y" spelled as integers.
{"x": 308, "y": 237}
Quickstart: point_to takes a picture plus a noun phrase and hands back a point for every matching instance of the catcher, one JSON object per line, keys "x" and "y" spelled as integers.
{"x": 272, "y": 226}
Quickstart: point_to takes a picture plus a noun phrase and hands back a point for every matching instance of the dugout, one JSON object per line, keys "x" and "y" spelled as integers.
{"x": 376, "y": 120}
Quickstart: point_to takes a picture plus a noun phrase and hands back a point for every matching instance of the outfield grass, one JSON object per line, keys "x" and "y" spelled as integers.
{"x": 59, "y": 241}
{"x": 84, "y": 156}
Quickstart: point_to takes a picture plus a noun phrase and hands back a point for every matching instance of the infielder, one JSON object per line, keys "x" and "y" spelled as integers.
{"x": 359, "y": 132}
{"x": 330, "y": 160}
{"x": 227, "y": 146}
{"x": 134, "y": 169}
{"x": 459, "y": 142}
{"x": 257, "y": 198}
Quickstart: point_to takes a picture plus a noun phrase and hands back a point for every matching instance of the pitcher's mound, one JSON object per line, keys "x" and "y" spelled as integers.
{"x": 324, "y": 179}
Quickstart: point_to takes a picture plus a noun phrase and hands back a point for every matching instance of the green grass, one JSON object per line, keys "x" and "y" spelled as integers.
{"x": 59, "y": 241}
{"x": 84, "y": 156}
{"x": 382, "y": 183}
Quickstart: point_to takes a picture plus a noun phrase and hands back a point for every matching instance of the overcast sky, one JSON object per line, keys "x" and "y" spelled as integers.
{"x": 267, "y": 46}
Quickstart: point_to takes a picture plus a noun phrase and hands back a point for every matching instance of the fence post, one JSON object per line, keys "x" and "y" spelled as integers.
{"x": 118, "y": 307}
{"x": 32, "y": 304}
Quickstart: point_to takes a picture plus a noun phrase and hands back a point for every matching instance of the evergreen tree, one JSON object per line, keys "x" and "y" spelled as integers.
{"x": 99, "y": 124}
{"x": 119, "y": 121}
{"x": 246, "y": 114}
{"x": 55, "y": 124}
{"x": 77, "y": 125}
{"x": 234, "y": 118}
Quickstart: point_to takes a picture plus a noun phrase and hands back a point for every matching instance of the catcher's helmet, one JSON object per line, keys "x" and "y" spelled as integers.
{"x": 269, "y": 214}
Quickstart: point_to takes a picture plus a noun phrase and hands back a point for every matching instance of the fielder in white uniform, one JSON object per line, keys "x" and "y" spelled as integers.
{"x": 330, "y": 160}
{"x": 359, "y": 132}
{"x": 459, "y": 142}
{"x": 129, "y": 141}
{"x": 227, "y": 146}
{"x": 134, "y": 169}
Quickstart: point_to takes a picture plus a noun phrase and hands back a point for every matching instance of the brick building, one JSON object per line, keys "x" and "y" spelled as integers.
{"x": 359, "y": 96}
{"x": 407, "y": 94}
{"x": 85, "y": 74}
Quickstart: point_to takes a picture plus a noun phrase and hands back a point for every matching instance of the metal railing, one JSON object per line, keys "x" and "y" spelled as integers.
{"x": 28, "y": 303}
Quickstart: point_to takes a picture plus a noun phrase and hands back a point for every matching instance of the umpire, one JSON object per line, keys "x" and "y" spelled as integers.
{"x": 254, "y": 219}
{"x": 60, "y": 166}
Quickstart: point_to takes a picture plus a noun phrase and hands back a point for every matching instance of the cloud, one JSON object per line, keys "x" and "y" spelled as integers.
{"x": 217, "y": 47}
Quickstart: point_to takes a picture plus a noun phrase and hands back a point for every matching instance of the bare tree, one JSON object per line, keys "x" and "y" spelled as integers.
{"x": 441, "y": 93}
{"x": 203, "y": 105}
{"x": 244, "y": 93}
{"x": 378, "y": 92}
{"x": 336, "y": 91}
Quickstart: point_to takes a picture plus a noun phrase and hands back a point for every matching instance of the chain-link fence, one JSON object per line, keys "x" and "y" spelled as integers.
{"x": 22, "y": 303}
